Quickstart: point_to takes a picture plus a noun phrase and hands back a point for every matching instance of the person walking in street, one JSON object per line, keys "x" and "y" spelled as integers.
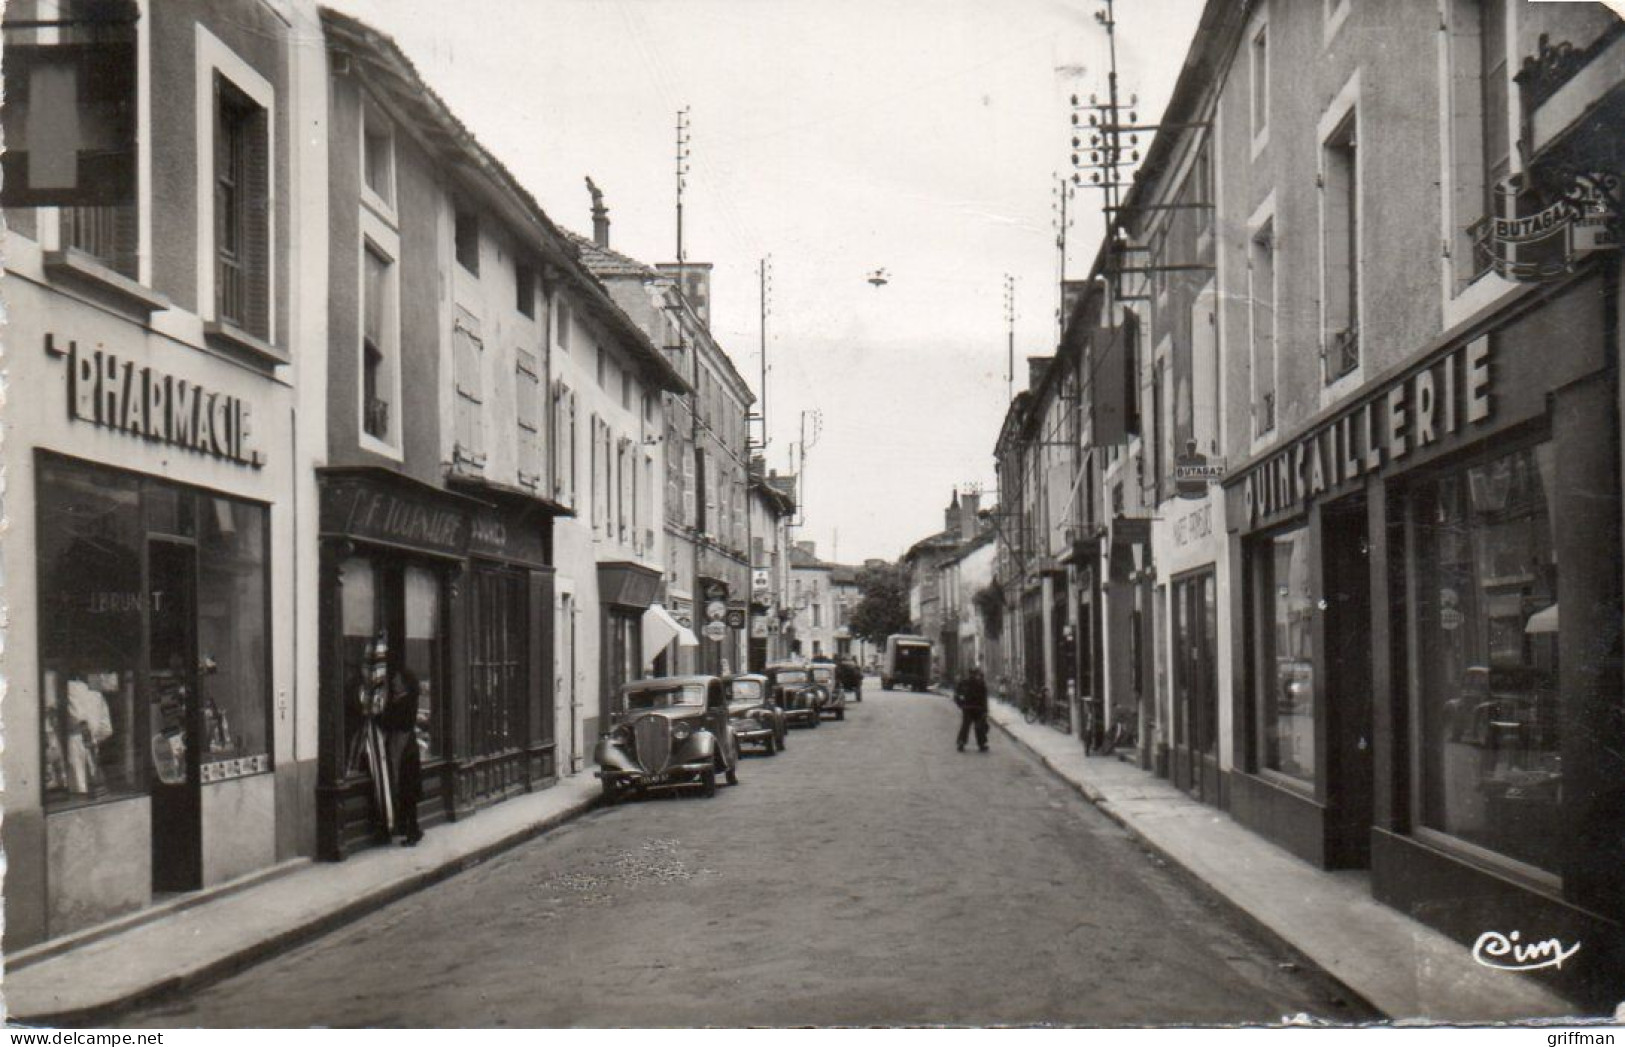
{"x": 971, "y": 697}
{"x": 400, "y": 720}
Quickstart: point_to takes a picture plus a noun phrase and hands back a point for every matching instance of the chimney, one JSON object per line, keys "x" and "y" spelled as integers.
{"x": 969, "y": 504}
{"x": 600, "y": 216}
{"x": 950, "y": 515}
{"x": 1037, "y": 368}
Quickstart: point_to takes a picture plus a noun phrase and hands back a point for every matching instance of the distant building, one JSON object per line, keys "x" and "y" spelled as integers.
{"x": 963, "y": 520}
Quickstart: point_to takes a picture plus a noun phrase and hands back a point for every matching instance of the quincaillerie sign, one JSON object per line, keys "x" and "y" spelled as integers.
{"x": 1414, "y": 412}
{"x": 115, "y": 393}
{"x": 1530, "y": 239}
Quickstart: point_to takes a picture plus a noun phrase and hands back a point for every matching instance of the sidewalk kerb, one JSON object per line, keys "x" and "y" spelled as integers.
{"x": 261, "y": 949}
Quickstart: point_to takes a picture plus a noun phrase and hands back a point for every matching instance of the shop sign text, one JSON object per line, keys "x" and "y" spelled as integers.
{"x": 380, "y": 514}
{"x": 115, "y": 393}
{"x": 1194, "y": 526}
{"x": 1421, "y": 409}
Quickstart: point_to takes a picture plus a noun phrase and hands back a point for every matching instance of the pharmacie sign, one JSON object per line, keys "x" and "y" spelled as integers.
{"x": 1449, "y": 396}
{"x": 111, "y": 392}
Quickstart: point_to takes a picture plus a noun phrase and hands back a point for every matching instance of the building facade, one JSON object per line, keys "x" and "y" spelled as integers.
{"x": 481, "y": 386}
{"x": 164, "y": 320}
{"x": 707, "y": 566}
{"x": 1329, "y": 417}
{"x": 772, "y": 511}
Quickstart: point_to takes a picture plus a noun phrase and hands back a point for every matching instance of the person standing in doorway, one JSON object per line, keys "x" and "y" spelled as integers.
{"x": 400, "y": 720}
{"x": 971, "y": 697}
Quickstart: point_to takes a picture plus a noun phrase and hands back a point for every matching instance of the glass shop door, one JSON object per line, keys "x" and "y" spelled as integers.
{"x": 172, "y": 693}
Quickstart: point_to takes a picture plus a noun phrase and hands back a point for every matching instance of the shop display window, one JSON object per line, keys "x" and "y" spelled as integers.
{"x": 1486, "y": 633}
{"x": 422, "y": 651}
{"x": 1285, "y": 672}
{"x": 154, "y": 636}
{"x": 391, "y": 610}
{"x": 91, "y": 603}
{"x": 233, "y": 668}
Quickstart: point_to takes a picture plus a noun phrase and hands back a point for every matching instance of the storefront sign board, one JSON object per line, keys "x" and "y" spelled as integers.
{"x": 1442, "y": 400}
{"x": 116, "y": 393}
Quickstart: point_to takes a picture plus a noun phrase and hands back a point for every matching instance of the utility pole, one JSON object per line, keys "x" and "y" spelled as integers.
{"x": 1010, "y": 326}
{"x": 683, "y": 137}
{"x": 764, "y": 277}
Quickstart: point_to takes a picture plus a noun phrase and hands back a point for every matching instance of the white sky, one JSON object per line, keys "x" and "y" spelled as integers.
{"x": 837, "y": 136}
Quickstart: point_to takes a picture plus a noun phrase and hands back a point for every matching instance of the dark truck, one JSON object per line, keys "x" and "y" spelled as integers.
{"x": 907, "y": 664}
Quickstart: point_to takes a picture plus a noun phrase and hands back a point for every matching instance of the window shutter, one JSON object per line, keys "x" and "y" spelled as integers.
{"x": 257, "y": 224}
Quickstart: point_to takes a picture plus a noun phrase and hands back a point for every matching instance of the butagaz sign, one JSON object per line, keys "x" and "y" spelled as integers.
{"x": 1412, "y": 413}
{"x": 114, "y": 393}
{"x": 1531, "y": 241}
{"x": 1193, "y": 473}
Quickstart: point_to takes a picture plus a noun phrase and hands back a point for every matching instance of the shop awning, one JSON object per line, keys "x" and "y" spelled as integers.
{"x": 1544, "y": 621}
{"x": 659, "y": 629}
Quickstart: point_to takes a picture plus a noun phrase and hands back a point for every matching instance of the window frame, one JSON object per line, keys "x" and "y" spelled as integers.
{"x": 384, "y": 241}
{"x": 1262, "y": 227}
{"x": 214, "y": 60}
{"x": 465, "y": 237}
{"x": 1343, "y": 118}
{"x": 1258, "y": 97}
{"x": 373, "y": 114}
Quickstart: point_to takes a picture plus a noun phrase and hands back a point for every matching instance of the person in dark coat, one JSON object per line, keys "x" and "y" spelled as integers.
{"x": 848, "y": 675}
{"x": 971, "y": 697}
{"x": 400, "y": 719}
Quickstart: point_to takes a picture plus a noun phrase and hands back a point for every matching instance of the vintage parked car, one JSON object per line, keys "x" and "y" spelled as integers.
{"x": 791, "y": 688}
{"x": 823, "y": 674}
{"x": 668, "y": 732}
{"x": 755, "y": 719}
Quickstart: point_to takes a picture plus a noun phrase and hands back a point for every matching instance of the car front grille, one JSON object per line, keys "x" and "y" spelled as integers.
{"x": 652, "y": 737}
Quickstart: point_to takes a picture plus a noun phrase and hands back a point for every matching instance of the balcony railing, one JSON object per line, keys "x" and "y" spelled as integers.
{"x": 1264, "y": 414}
{"x": 375, "y": 418}
{"x": 105, "y": 233}
{"x": 1343, "y": 354}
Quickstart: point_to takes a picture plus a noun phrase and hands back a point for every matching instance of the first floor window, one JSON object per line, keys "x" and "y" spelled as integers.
{"x": 1486, "y": 634}
{"x": 1284, "y": 671}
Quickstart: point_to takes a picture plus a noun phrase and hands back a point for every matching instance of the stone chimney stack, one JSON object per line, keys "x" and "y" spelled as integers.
{"x": 970, "y": 503}
{"x": 950, "y": 515}
{"x": 600, "y": 216}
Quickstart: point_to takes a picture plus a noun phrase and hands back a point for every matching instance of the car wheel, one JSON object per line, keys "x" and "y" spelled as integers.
{"x": 612, "y": 792}
{"x": 840, "y": 714}
{"x": 708, "y": 783}
{"x": 817, "y": 717}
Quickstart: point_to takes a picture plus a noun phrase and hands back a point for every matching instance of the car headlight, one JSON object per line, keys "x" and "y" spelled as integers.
{"x": 681, "y": 732}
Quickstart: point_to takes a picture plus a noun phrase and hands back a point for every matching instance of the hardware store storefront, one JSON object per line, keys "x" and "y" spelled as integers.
{"x": 1428, "y": 679}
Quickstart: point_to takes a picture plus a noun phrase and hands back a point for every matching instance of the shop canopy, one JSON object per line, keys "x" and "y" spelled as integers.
{"x": 1544, "y": 621}
{"x": 659, "y": 629}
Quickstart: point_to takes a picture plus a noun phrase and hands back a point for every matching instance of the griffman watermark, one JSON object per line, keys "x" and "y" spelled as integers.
{"x": 1494, "y": 948}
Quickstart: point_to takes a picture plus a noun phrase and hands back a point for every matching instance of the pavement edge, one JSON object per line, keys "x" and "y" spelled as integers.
{"x": 1105, "y": 806}
{"x": 264, "y": 949}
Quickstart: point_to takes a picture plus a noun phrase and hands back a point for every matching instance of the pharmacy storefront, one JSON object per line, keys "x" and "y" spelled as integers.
{"x": 148, "y": 636}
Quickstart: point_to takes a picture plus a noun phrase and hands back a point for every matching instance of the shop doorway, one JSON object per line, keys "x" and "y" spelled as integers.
{"x": 1195, "y": 755}
{"x": 498, "y": 681}
{"x": 172, "y": 689}
{"x": 569, "y": 696}
{"x": 1346, "y": 557}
